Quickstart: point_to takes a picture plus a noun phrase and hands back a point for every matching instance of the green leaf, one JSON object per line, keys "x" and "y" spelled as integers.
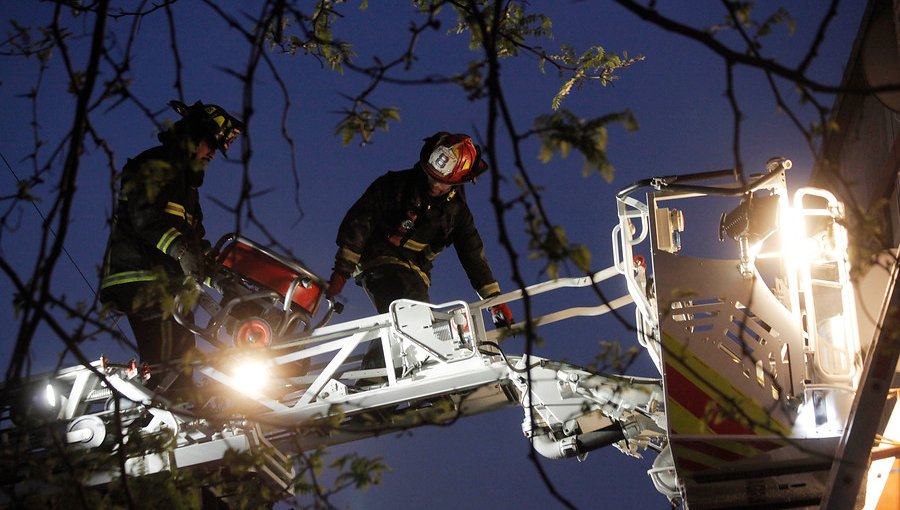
{"x": 581, "y": 256}
{"x": 595, "y": 64}
{"x": 562, "y": 131}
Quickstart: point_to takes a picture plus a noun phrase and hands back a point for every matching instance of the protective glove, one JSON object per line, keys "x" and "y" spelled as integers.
{"x": 212, "y": 270}
{"x": 210, "y": 252}
{"x": 335, "y": 285}
{"x": 191, "y": 265}
{"x": 501, "y": 315}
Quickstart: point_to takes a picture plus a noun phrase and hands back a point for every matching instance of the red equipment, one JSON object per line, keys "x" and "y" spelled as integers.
{"x": 268, "y": 270}
{"x": 265, "y": 296}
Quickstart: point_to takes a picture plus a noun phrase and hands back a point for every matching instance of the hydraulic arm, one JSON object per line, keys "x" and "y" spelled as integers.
{"x": 307, "y": 390}
{"x": 758, "y": 357}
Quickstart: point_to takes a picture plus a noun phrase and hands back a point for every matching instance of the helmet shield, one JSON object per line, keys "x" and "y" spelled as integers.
{"x": 451, "y": 158}
{"x": 224, "y": 128}
{"x": 210, "y": 122}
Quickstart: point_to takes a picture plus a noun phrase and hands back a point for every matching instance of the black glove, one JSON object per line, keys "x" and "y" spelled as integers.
{"x": 210, "y": 254}
{"x": 190, "y": 265}
{"x": 190, "y": 262}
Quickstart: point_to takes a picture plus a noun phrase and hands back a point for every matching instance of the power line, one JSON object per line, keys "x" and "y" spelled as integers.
{"x": 115, "y": 320}
{"x": 50, "y": 228}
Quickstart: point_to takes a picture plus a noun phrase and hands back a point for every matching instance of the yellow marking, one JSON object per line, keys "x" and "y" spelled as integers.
{"x": 731, "y": 402}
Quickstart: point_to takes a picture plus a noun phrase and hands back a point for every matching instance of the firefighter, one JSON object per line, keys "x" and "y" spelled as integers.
{"x": 390, "y": 237}
{"x": 157, "y": 237}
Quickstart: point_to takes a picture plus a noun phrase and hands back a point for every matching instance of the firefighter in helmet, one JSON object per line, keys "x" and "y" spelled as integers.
{"x": 390, "y": 237}
{"x": 157, "y": 236}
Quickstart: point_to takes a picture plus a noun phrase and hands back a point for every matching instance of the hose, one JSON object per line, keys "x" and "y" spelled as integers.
{"x": 577, "y": 445}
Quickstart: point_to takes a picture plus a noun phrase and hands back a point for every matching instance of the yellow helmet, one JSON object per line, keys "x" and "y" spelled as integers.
{"x": 209, "y": 121}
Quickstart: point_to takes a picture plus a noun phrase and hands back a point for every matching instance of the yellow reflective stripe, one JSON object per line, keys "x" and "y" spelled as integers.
{"x": 175, "y": 209}
{"x": 166, "y": 240}
{"x": 348, "y": 255}
{"x": 489, "y": 290}
{"x": 178, "y": 210}
{"x": 127, "y": 277}
{"x": 431, "y": 255}
{"x": 384, "y": 259}
{"x": 414, "y": 245}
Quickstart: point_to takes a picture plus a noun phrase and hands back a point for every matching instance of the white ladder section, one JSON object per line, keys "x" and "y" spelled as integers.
{"x": 441, "y": 364}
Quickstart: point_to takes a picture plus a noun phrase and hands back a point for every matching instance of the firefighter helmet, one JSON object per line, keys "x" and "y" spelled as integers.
{"x": 210, "y": 122}
{"x": 451, "y": 158}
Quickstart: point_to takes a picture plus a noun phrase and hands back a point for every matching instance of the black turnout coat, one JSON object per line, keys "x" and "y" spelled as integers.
{"x": 158, "y": 205}
{"x": 396, "y": 222}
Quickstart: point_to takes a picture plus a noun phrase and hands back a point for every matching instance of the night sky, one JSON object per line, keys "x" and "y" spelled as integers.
{"x": 677, "y": 95}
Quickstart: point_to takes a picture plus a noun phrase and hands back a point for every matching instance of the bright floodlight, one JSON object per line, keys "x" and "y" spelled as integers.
{"x": 250, "y": 376}
{"x": 50, "y": 396}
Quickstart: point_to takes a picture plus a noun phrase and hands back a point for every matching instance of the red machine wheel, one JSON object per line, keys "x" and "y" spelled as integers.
{"x": 253, "y": 333}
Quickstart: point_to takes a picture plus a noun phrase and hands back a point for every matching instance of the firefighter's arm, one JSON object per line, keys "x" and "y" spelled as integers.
{"x": 158, "y": 214}
{"x": 353, "y": 234}
{"x": 470, "y": 250}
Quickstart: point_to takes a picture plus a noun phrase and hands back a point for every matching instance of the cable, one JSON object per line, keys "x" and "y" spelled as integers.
{"x": 505, "y": 360}
{"x": 66, "y": 251}
{"x": 44, "y": 219}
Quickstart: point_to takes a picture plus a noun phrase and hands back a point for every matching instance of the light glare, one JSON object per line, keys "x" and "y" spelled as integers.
{"x": 50, "y": 395}
{"x": 250, "y": 376}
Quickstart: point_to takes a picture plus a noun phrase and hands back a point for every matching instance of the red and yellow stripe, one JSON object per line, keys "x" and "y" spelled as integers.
{"x": 700, "y": 400}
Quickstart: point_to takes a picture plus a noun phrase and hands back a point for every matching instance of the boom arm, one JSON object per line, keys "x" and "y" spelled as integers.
{"x": 758, "y": 371}
{"x": 437, "y": 370}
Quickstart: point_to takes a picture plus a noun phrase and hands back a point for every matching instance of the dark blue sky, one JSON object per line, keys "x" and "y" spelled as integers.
{"x": 676, "y": 94}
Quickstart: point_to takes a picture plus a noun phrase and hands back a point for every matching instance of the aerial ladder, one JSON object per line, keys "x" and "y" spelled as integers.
{"x": 758, "y": 357}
